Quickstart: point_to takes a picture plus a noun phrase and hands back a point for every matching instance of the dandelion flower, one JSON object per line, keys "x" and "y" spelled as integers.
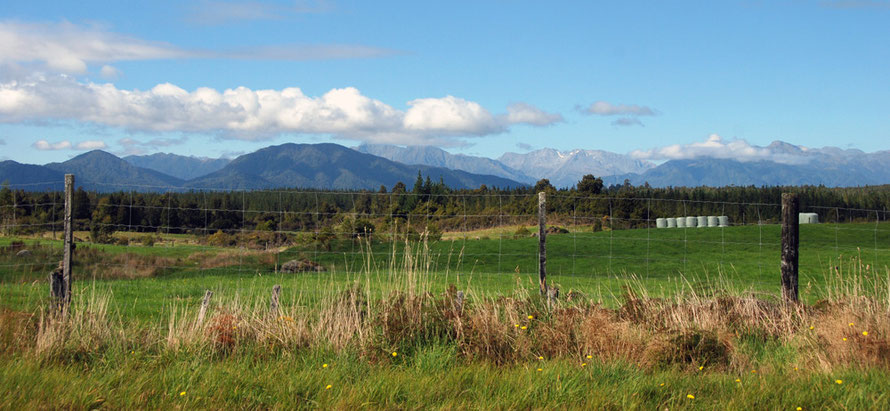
{"x": 516, "y": 325}
{"x": 661, "y": 385}
{"x": 328, "y": 387}
{"x": 132, "y": 352}
{"x": 583, "y": 364}
{"x": 182, "y": 394}
{"x": 865, "y": 333}
{"x": 701, "y": 367}
{"x": 812, "y": 327}
{"x": 690, "y": 396}
{"x": 523, "y": 328}
{"x": 395, "y": 354}
{"x": 540, "y": 357}
{"x": 531, "y": 317}
{"x": 839, "y": 381}
{"x": 753, "y": 371}
{"x": 799, "y": 409}
{"x": 738, "y": 380}
{"x": 540, "y": 369}
{"x": 851, "y": 324}
{"x": 845, "y": 338}
{"x": 589, "y": 356}
{"x": 324, "y": 366}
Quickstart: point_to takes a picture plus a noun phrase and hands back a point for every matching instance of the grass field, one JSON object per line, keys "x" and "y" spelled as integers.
{"x": 597, "y": 264}
{"x": 676, "y": 319}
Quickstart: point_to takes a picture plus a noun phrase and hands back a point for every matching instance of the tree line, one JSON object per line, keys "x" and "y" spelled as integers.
{"x": 427, "y": 206}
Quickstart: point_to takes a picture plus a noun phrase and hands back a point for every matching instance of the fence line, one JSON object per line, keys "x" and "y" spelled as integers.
{"x": 632, "y": 245}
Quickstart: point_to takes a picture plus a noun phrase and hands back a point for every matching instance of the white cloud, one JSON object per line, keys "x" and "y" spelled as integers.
{"x": 91, "y": 145}
{"x": 603, "y": 108}
{"x": 69, "y": 48}
{"x": 109, "y": 72}
{"x": 44, "y": 145}
{"x": 719, "y": 148}
{"x": 47, "y": 146}
{"x": 522, "y": 113}
{"x": 246, "y": 114}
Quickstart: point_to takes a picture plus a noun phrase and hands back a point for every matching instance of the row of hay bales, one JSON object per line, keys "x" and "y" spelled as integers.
{"x": 691, "y": 221}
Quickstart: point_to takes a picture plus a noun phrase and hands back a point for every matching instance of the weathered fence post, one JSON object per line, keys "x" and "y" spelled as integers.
{"x": 542, "y": 242}
{"x": 205, "y": 303}
{"x": 790, "y": 245}
{"x": 273, "y": 303}
{"x": 61, "y": 279}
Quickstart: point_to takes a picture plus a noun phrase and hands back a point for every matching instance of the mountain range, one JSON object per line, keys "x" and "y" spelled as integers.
{"x": 331, "y": 166}
{"x": 322, "y": 166}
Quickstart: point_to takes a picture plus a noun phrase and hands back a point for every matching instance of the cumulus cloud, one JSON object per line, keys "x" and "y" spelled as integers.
{"x": 69, "y": 48}
{"x": 47, "y": 146}
{"x": 717, "y": 147}
{"x": 603, "y": 108}
{"x": 90, "y": 145}
{"x": 246, "y": 114}
{"x": 529, "y": 114}
{"x": 44, "y": 145}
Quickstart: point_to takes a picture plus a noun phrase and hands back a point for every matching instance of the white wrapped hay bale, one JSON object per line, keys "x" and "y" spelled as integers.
{"x": 724, "y": 221}
{"x": 702, "y": 221}
{"x": 661, "y": 223}
{"x": 671, "y": 222}
{"x": 691, "y": 222}
{"x": 681, "y": 222}
{"x": 808, "y": 218}
{"x": 713, "y": 221}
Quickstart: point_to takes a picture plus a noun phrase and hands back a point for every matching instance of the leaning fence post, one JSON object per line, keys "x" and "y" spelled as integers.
{"x": 273, "y": 303}
{"x": 542, "y": 242}
{"x": 204, "y": 304}
{"x": 790, "y": 245}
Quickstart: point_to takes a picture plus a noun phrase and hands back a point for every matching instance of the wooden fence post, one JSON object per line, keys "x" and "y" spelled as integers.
{"x": 790, "y": 245}
{"x": 205, "y": 303}
{"x": 542, "y": 242}
{"x": 273, "y": 303}
{"x": 65, "y": 289}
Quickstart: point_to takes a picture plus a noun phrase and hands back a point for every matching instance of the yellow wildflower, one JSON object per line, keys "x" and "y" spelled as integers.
{"x": 865, "y": 333}
{"x": 661, "y": 385}
{"x": 690, "y": 396}
{"x": 812, "y": 327}
{"x": 851, "y": 324}
{"x": 540, "y": 369}
{"x": 589, "y": 356}
{"x": 540, "y": 357}
{"x": 523, "y": 328}
{"x": 799, "y": 409}
{"x": 583, "y": 364}
{"x": 328, "y": 387}
{"x": 324, "y": 366}
{"x": 182, "y": 394}
{"x": 845, "y": 338}
{"x": 839, "y": 381}
{"x": 701, "y": 367}
{"x": 531, "y": 317}
{"x": 395, "y": 354}
{"x": 738, "y": 380}
{"x": 753, "y": 371}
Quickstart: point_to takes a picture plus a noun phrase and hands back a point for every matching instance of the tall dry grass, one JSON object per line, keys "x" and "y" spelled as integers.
{"x": 394, "y": 310}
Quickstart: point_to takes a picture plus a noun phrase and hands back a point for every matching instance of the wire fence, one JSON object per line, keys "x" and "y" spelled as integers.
{"x": 593, "y": 241}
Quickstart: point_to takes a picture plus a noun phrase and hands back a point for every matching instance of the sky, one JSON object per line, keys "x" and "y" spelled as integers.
{"x": 656, "y": 79}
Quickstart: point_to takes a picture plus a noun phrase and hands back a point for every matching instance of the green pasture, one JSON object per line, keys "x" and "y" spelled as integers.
{"x": 598, "y": 264}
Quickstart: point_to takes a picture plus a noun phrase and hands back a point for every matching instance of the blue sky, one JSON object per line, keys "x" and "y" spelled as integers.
{"x": 218, "y": 78}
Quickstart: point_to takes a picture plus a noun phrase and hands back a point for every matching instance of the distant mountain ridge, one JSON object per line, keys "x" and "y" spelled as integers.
{"x": 436, "y": 157}
{"x": 182, "y": 167}
{"x": 331, "y": 166}
{"x": 565, "y": 169}
{"x": 313, "y": 166}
